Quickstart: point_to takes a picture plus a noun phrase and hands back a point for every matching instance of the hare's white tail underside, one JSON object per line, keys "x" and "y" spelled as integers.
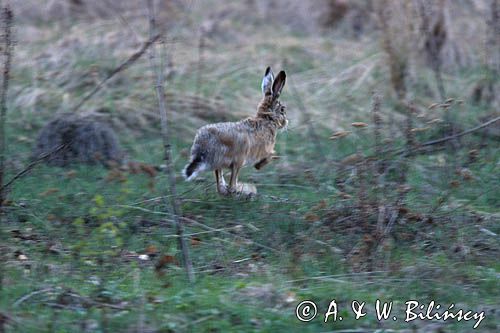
{"x": 193, "y": 169}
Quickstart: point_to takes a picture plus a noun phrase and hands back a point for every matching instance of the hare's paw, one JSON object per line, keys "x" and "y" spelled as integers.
{"x": 246, "y": 190}
{"x": 223, "y": 189}
{"x": 241, "y": 190}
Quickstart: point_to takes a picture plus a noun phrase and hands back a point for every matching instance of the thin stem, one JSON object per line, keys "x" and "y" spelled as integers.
{"x": 7, "y": 18}
{"x": 172, "y": 201}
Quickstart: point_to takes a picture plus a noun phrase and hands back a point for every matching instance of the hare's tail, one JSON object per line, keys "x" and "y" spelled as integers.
{"x": 193, "y": 168}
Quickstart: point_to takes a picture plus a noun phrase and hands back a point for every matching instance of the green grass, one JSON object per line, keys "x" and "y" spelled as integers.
{"x": 94, "y": 222}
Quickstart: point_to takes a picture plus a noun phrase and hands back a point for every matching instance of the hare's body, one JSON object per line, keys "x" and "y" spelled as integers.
{"x": 242, "y": 143}
{"x": 233, "y": 145}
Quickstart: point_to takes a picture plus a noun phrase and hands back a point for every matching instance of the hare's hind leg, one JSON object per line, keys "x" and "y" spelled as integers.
{"x": 233, "y": 182}
{"x": 220, "y": 182}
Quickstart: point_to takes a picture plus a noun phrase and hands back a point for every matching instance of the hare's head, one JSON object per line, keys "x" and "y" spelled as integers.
{"x": 271, "y": 108}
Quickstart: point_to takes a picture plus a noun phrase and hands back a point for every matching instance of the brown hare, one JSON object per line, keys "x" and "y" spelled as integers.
{"x": 233, "y": 145}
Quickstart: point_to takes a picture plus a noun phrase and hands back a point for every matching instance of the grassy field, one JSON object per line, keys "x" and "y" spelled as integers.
{"x": 92, "y": 249}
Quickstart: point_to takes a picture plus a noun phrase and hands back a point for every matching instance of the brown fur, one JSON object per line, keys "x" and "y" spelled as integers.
{"x": 233, "y": 145}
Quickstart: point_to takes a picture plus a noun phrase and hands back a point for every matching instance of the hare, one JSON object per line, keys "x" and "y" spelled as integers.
{"x": 233, "y": 145}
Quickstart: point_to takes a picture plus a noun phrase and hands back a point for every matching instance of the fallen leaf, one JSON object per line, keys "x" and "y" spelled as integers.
{"x": 151, "y": 250}
{"x": 148, "y": 170}
{"x": 23, "y": 138}
{"x": 164, "y": 261}
{"x": 290, "y": 297}
{"x": 419, "y": 129}
{"x": 339, "y": 135}
{"x": 49, "y": 192}
{"x": 195, "y": 241}
{"x": 311, "y": 217}
{"x": 345, "y": 195}
{"x": 435, "y": 121}
{"x": 351, "y": 159}
{"x": 71, "y": 174}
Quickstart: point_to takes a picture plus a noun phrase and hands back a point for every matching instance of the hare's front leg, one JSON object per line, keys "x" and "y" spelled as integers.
{"x": 263, "y": 162}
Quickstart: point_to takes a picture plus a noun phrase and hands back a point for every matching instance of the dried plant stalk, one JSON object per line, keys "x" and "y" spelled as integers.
{"x": 174, "y": 203}
{"x": 377, "y": 131}
{"x": 397, "y": 56}
{"x": 7, "y": 19}
{"x": 433, "y": 28}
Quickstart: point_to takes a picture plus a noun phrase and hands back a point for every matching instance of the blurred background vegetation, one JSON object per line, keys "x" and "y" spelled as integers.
{"x": 364, "y": 203}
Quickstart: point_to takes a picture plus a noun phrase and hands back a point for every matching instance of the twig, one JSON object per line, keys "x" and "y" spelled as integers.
{"x": 28, "y": 296}
{"x": 116, "y": 11}
{"x": 206, "y": 227}
{"x": 358, "y": 330}
{"x": 338, "y": 276}
{"x": 451, "y": 137}
{"x": 132, "y": 59}
{"x": 392, "y": 220}
{"x": 435, "y": 38}
{"x": 7, "y": 18}
{"x": 30, "y": 166}
{"x": 7, "y": 319}
{"x": 160, "y": 94}
{"x": 197, "y": 321}
{"x": 377, "y": 129}
{"x": 52, "y": 289}
{"x": 236, "y": 227}
{"x": 96, "y": 303}
{"x": 201, "y": 61}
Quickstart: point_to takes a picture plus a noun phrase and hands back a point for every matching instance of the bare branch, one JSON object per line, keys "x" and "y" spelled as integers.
{"x": 452, "y": 137}
{"x": 30, "y": 166}
{"x": 126, "y": 64}
{"x": 174, "y": 203}
{"x": 7, "y": 19}
{"x": 446, "y": 138}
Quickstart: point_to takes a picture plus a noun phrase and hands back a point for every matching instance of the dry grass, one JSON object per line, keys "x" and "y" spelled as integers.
{"x": 333, "y": 73}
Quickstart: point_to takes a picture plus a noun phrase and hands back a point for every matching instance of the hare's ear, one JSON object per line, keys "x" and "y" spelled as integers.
{"x": 278, "y": 84}
{"x": 267, "y": 81}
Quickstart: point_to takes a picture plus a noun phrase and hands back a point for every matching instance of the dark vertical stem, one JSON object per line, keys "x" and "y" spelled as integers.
{"x": 410, "y": 141}
{"x": 7, "y": 18}
{"x": 398, "y": 62}
{"x": 492, "y": 61}
{"x": 377, "y": 131}
{"x": 494, "y": 38}
{"x": 174, "y": 203}
{"x": 379, "y": 161}
{"x": 201, "y": 56}
{"x": 435, "y": 36}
